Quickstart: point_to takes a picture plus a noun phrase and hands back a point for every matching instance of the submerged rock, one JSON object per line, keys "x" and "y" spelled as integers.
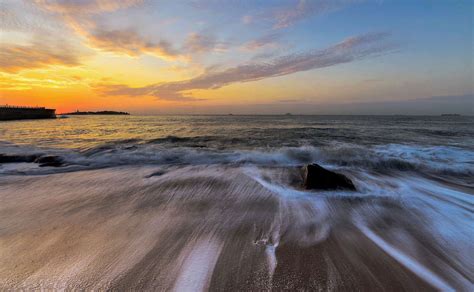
{"x": 319, "y": 178}
{"x": 49, "y": 160}
{"x": 17, "y": 158}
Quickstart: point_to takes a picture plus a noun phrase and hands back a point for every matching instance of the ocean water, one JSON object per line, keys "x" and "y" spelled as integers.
{"x": 215, "y": 203}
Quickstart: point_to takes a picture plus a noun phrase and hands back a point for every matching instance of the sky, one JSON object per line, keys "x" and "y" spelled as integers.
{"x": 241, "y": 57}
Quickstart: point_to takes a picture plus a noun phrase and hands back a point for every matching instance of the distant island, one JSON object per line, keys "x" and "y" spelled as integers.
{"x": 79, "y": 113}
{"x": 450, "y": 115}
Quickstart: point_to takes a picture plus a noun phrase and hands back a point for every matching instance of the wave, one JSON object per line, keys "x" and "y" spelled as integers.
{"x": 436, "y": 160}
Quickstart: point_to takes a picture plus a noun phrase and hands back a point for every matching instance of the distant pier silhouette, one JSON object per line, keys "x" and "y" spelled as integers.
{"x": 9, "y": 113}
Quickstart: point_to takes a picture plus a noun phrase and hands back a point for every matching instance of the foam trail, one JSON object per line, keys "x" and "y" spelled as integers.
{"x": 405, "y": 260}
{"x": 198, "y": 267}
{"x": 253, "y": 173}
{"x": 271, "y": 258}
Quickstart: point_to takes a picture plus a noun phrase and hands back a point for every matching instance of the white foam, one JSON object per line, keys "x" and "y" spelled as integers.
{"x": 198, "y": 266}
{"x": 405, "y": 260}
{"x": 254, "y": 173}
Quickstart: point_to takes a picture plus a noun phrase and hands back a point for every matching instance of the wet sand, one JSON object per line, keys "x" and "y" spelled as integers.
{"x": 212, "y": 228}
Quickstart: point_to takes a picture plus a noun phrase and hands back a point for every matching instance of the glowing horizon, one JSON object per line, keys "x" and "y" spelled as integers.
{"x": 209, "y": 56}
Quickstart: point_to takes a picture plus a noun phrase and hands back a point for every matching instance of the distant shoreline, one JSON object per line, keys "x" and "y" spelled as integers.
{"x": 307, "y": 115}
{"x": 112, "y": 113}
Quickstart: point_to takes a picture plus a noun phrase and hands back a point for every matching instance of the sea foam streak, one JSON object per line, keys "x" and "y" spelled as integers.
{"x": 411, "y": 264}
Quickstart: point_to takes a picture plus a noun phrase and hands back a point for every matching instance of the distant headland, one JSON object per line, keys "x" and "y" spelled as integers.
{"x": 112, "y": 113}
{"x": 450, "y": 115}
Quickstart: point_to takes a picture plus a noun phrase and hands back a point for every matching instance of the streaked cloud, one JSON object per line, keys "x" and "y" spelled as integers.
{"x": 123, "y": 90}
{"x": 23, "y": 17}
{"x": 349, "y": 50}
{"x": 81, "y": 17}
{"x": 130, "y": 42}
{"x": 31, "y": 39}
{"x": 14, "y": 58}
{"x": 86, "y": 6}
{"x": 262, "y": 42}
{"x": 201, "y": 43}
{"x": 287, "y": 16}
{"x": 18, "y": 82}
{"x": 84, "y": 17}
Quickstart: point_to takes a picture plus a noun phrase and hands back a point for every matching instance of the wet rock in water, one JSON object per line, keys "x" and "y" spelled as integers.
{"x": 319, "y": 178}
{"x": 157, "y": 173}
{"x": 4, "y": 158}
{"x": 49, "y": 160}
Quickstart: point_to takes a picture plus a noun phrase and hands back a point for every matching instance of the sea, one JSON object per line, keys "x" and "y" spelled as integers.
{"x": 216, "y": 203}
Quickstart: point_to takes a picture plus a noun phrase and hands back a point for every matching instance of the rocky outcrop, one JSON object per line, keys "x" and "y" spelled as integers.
{"x": 318, "y": 178}
{"x": 49, "y": 160}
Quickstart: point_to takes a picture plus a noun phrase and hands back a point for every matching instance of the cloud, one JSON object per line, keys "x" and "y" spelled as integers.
{"x": 30, "y": 39}
{"x": 85, "y": 6}
{"x": 78, "y": 15}
{"x": 129, "y": 42}
{"x": 308, "y": 8}
{"x": 349, "y": 50}
{"x": 14, "y": 58}
{"x": 285, "y": 16}
{"x": 18, "y": 82}
{"x": 201, "y": 43}
{"x": 124, "y": 90}
{"x": 261, "y": 42}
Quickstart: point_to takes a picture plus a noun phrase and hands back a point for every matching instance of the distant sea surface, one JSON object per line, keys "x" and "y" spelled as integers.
{"x": 216, "y": 203}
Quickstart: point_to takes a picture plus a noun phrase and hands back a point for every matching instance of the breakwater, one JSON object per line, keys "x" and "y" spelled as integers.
{"x": 8, "y": 113}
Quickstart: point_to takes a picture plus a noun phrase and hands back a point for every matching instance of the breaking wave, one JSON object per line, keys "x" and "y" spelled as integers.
{"x": 436, "y": 160}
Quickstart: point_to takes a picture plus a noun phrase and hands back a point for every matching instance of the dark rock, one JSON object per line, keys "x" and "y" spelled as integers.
{"x": 319, "y": 178}
{"x": 17, "y": 158}
{"x": 157, "y": 173}
{"x": 49, "y": 160}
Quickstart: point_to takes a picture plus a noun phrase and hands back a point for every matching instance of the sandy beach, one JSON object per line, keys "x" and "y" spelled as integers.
{"x": 208, "y": 228}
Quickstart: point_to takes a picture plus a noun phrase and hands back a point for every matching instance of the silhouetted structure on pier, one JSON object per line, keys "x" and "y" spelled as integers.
{"x": 9, "y": 113}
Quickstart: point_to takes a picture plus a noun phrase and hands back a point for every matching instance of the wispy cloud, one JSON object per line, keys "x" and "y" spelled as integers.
{"x": 202, "y": 43}
{"x": 349, "y": 50}
{"x": 81, "y": 17}
{"x": 307, "y": 8}
{"x": 123, "y": 90}
{"x": 86, "y": 6}
{"x": 18, "y": 82}
{"x": 31, "y": 39}
{"x": 14, "y": 58}
{"x": 263, "y": 41}
{"x": 131, "y": 43}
